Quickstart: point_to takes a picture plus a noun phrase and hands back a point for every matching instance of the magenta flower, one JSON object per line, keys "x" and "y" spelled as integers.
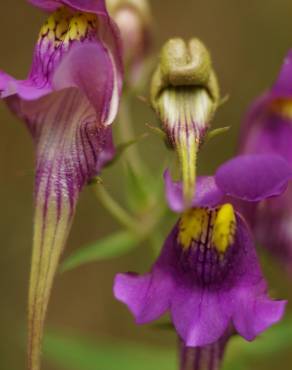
{"x": 268, "y": 129}
{"x": 68, "y": 102}
{"x": 208, "y": 276}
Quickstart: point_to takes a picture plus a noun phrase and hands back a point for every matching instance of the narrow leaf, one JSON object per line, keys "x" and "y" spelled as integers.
{"x": 111, "y": 246}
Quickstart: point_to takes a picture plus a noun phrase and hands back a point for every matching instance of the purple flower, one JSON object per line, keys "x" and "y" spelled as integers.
{"x": 68, "y": 102}
{"x": 268, "y": 129}
{"x": 208, "y": 276}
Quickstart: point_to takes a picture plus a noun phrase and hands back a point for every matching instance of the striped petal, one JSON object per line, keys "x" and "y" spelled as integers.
{"x": 71, "y": 148}
{"x": 68, "y": 101}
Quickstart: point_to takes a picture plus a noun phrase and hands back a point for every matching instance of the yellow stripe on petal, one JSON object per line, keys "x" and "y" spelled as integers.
{"x": 209, "y": 228}
{"x": 65, "y": 25}
{"x": 224, "y": 228}
{"x": 193, "y": 226}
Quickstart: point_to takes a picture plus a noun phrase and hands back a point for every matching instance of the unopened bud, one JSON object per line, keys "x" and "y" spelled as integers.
{"x": 133, "y": 18}
{"x": 185, "y": 95}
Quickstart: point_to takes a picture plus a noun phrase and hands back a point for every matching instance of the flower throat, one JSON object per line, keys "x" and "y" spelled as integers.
{"x": 206, "y": 237}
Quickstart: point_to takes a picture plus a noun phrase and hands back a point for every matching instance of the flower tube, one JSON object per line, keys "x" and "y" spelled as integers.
{"x": 68, "y": 103}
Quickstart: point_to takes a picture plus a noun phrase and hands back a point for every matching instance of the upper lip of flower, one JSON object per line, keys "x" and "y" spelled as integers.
{"x": 249, "y": 178}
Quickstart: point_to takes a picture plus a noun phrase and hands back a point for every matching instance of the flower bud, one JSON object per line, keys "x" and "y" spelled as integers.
{"x": 185, "y": 95}
{"x": 133, "y": 18}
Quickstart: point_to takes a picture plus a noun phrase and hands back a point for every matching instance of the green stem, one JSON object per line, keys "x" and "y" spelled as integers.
{"x": 115, "y": 209}
{"x": 127, "y": 133}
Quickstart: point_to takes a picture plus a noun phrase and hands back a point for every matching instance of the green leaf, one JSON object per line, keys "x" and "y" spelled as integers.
{"x": 74, "y": 353}
{"x": 112, "y": 246}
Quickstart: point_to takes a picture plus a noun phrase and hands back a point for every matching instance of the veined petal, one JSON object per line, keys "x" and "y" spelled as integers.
{"x": 69, "y": 98}
{"x": 81, "y": 44}
{"x": 70, "y": 148}
{"x": 212, "y": 281}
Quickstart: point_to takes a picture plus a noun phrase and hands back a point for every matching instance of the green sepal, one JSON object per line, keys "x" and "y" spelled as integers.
{"x": 216, "y": 132}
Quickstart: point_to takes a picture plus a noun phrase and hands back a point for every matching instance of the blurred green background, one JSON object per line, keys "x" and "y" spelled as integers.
{"x": 248, "y": 40}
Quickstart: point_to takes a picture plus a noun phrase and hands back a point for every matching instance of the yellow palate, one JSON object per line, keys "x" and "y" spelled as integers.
{"x": 64, "y": 26}
{"x": 224, "y": 228}
{"x": 211, "y": 228}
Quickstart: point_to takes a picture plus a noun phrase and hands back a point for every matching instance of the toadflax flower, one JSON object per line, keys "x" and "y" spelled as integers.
{"x": 207, "y": 275}
{"x": 185, "y": 95}
{"x": 68, "y": 102}
{"x": 267, "y": 128}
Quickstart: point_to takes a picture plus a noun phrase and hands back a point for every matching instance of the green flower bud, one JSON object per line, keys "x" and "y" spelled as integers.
{"x": 185, "y": 94}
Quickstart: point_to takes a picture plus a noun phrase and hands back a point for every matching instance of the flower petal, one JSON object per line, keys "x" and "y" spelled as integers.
{"x": 254, "y": 314}
{"x": 147, "y": 296}
{"x": 87, "y": 66}
{"x": 252, "y": 310}
{"x": 207, "y": 193}
{"x": 71, "y": 148}
{"x": 275, "y": 216}
{"x": 91, "y": 6}
{"x": 95, "y": 75}
{"x": 254, "y": 177}
{"x": 283, "y": 85}
{"x": 271, "y": 135}
{"x": 200, "y": 316}
{"x": 81, "y": 61}
{"x": 67, "y": 101}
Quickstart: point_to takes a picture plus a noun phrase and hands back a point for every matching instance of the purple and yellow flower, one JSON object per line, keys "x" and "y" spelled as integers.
{"x": 68, "y": 103}
{"x": 208, "y": 275}
{"x": 185, "y": 95}
{"x": 268, "y": 129}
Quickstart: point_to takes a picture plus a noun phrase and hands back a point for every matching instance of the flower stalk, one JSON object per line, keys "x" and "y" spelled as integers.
{"x": 209, "y": 357}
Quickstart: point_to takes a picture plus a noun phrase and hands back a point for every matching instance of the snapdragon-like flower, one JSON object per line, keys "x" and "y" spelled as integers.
{"x": 185, "y": 95}
{"x": 68, "y": 102}
{"x": 208, "y": 276}
{"x": 268, "y": 129}
{"x": 134, "y": 19}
